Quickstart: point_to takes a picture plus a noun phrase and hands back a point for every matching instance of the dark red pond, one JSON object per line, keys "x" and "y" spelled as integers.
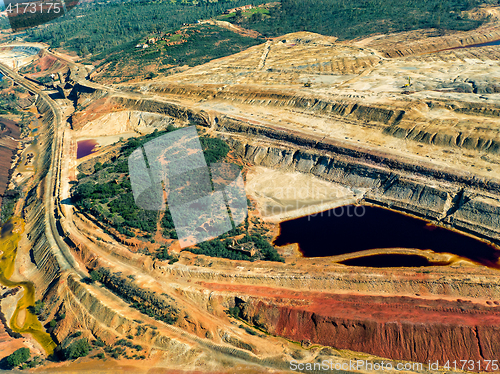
{"x": 85, "y": 148}
{"x": 351, "y": 229}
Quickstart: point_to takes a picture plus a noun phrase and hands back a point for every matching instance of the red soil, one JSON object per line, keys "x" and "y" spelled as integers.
{"x": 400, "y": 328}
{"x": 46, "y": 65}
{"x": 95, "y": 110}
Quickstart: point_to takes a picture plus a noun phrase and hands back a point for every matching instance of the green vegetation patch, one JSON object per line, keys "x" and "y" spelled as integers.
{"x": 98, "y": 26}
{"x": 18, "y": 357}
{"x": 79, "y": 348}
{"x": 37, "y": 308}
{"x": 348, "y": 19}
{"x": 146, "y": 302}
{"x": 220, "y": 247}
{"x": 8, "y": 101}
{"x": 191, "y": 46}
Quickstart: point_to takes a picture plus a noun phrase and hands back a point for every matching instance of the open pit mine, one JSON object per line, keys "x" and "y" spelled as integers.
{"x": 406, "y": 123}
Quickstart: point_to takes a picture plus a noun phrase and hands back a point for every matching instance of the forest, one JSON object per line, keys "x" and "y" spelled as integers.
{"x": 348, "y": 19}
{"x": 97, "y": 27}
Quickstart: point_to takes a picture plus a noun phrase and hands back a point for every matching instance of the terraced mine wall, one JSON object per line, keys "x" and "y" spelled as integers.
{"x": 441, "y": 283}
{"x": 458, "y": 200}
{"x": 35, "y": 209}
{"x": 400, "y": 122}
{"x": 402, "y": 47}
{"x": 392, "y": 121}
{"x": 305, "y": 307}
{"x": 269, "y": 97}
{"x": 435, "y": 195}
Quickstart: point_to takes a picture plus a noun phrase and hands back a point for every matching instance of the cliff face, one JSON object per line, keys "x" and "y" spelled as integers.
{"x": 388, "y": 328}
{"x": 436, "y": 199}
{"x": 98, "y": 103}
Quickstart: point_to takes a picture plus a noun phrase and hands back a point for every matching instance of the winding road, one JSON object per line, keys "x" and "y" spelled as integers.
{"x": 52, "y": 178}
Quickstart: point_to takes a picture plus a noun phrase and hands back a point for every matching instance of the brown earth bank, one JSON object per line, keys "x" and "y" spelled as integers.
{"x": 45, "y": 65}
{"x": 9, "y": 340}
{"x": 400, "y": 328}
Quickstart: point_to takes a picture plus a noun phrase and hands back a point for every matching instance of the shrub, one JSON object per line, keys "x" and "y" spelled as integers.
{"x": 18, "y": 357}
{"x": 98, "y": 342}
{"x": 234, "y": 311}
{"x": 79, "y": 348}
{"x": 95, "y": 275}
{"x": 97, "y": 166}
{"x": 37, "y": 308}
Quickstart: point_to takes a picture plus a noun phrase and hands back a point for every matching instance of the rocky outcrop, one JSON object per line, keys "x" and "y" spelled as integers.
{"x": 477, "y": 214}
{"x": 391, "y": 121}
{"x": 279, "y": 98}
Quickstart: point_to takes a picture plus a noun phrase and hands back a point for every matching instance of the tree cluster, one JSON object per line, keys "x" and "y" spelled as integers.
{"x": 146, "y": 302}
{"x": 18, "y": 357}
{"x": 94, "y": 27}
{"x": 79, "y": 348}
